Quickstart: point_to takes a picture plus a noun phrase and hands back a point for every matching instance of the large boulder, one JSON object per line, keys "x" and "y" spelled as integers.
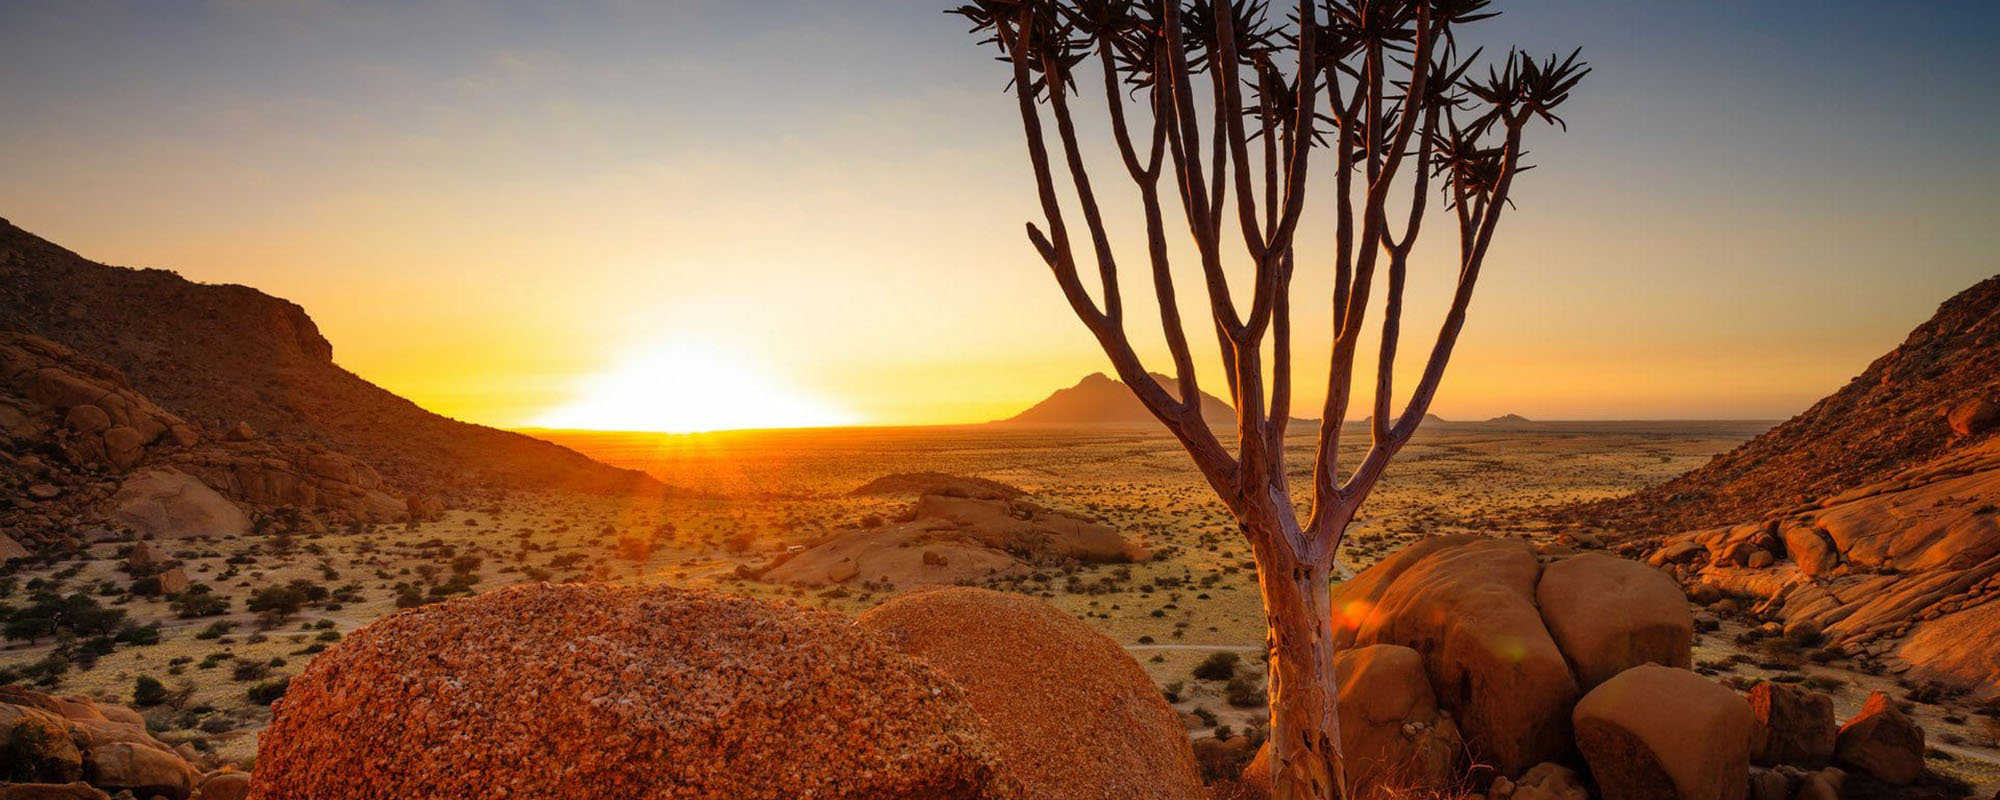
{"x": 1073, "y": 715}
{"x": 1467, "y": 604}
{"x": 1794, "y": 726}
{"x": 38, "y": 744}
{"x": 49, "y": 743}
{"x": 1661, "y": 733}
{"x": 1882, "y": 742}
{"x": 1395, "y": 738}
{"x": 1974, "y": 416}
{"x": 169, "y": 504}
{"x": 1811, "y": 549}
{"x": 1608, "y": 614}
{"x": 145, "y": 769}
{"x": 226, "y": 786}
{"x": 1392, "y": 732}
{"x": 546, "y": 691}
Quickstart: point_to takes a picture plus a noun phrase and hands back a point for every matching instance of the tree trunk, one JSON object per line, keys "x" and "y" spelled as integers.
{"x": 1305, "y": 723}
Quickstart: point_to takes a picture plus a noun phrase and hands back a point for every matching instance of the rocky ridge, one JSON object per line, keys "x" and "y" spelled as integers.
{"x": 86, "y": 452}
{"x": 218, "y": 356}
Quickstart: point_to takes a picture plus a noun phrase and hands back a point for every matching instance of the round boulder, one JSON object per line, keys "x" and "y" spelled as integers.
{"x": 546, "y": 691}
{"x": 1073, "y": 715}
{"x": 1882, "y": 742}
{"x": 1467, "y": 603}
{"x": 1661, "y": 733}
{"x": 1794, "y": 726}
{"x": 1608, "y": 614}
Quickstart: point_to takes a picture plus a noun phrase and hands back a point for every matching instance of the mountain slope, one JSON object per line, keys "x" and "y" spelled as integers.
{"x": 223, "y": 354}
{"x": 1101, "y": 399}
{"x": 1890, "y": 417}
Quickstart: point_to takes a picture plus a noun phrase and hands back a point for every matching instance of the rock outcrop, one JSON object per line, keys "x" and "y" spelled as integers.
{"x": 1654, "y": 732}
{"x": 166, "y": 503}
{"x": 108, "y": 437}
{"x": 1467, "y": 603}
{"x": 1507, "y": 641}
{"x": 545, "y": 691}
{"x": 230, "y": 357}
{"x": 1874, "y": 515}
{"x": 1898, "y": 413}
{"x": 955, "y": 540}
{"x": 918, "y": 484}
{"x": 73, "y": 747}
{"x": 1897, "y": 571}
{"x": 1608, "y": 615}
{"x": 1794, "y": 726}
{"x": 1074, "y": 717}
{"x": 1882, "y": 742}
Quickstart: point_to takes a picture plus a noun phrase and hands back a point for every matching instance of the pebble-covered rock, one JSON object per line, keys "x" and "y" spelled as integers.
{"x": 548, "y": 691}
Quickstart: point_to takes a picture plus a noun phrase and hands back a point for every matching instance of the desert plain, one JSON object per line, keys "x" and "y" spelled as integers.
{"x": 746, "y": 498}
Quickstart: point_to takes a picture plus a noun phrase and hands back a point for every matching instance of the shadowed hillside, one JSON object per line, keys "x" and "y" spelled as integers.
{"x": 1895, "y": 414}
{"x": 223, "y": 354}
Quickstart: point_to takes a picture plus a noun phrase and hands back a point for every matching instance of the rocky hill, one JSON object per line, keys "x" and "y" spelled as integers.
{"x": 1872, "y": 519}
{"x": 1103, "y": 400}
{"x": 223, "y": 355}
{"x": 1934, "y": 393}
{"x": 1100, "y": 399}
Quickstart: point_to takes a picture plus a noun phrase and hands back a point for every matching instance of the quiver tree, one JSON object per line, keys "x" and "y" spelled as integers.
{"x": 1383, "y": 89}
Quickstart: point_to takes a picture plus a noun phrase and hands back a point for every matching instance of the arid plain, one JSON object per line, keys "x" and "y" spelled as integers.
{"x": 755, "y": 493}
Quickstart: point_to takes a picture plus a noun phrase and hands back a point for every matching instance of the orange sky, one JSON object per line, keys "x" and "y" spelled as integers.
{"x": 521, "y": 216}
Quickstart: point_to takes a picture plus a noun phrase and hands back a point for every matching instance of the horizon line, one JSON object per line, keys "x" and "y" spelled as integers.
{"x": 1134, "y": 424}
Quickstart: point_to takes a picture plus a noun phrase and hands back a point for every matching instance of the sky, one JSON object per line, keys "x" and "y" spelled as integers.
{"x": 743, "y": 213}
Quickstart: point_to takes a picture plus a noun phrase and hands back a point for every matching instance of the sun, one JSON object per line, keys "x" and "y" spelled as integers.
{"x": 686, "y": 387}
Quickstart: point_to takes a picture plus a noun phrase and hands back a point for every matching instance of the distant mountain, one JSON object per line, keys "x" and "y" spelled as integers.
{"x": 220, "y": 355}
{"x": 1429, "y": 419}
{"x": 1103, "y": 400}
{"x": 1512, "y": 419}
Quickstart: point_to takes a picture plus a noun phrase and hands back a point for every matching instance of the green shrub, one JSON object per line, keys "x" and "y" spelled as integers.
{"x": 1245, "y": 691}
{"x": 147, "y": 692}
{"x": 1218, "y": 666}
{"x": 268, "y": 692}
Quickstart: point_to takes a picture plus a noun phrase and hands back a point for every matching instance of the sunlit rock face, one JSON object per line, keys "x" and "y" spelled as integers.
{"x": 959, "y": 531}
{"x": 558, "y": 691}
{"x": 1902, "y": 572}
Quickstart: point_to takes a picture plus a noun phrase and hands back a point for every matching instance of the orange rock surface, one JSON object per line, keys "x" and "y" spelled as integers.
{"x": 1074, "y": 716}
{"x": 565, "y": 691}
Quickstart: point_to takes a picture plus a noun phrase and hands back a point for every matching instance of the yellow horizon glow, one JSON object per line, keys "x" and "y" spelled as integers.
{"x": 689, "y": 387}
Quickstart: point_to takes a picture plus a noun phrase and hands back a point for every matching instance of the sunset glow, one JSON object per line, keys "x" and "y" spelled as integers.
{"x": 689, "y": 388}
{"x": 542, "y": 185}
